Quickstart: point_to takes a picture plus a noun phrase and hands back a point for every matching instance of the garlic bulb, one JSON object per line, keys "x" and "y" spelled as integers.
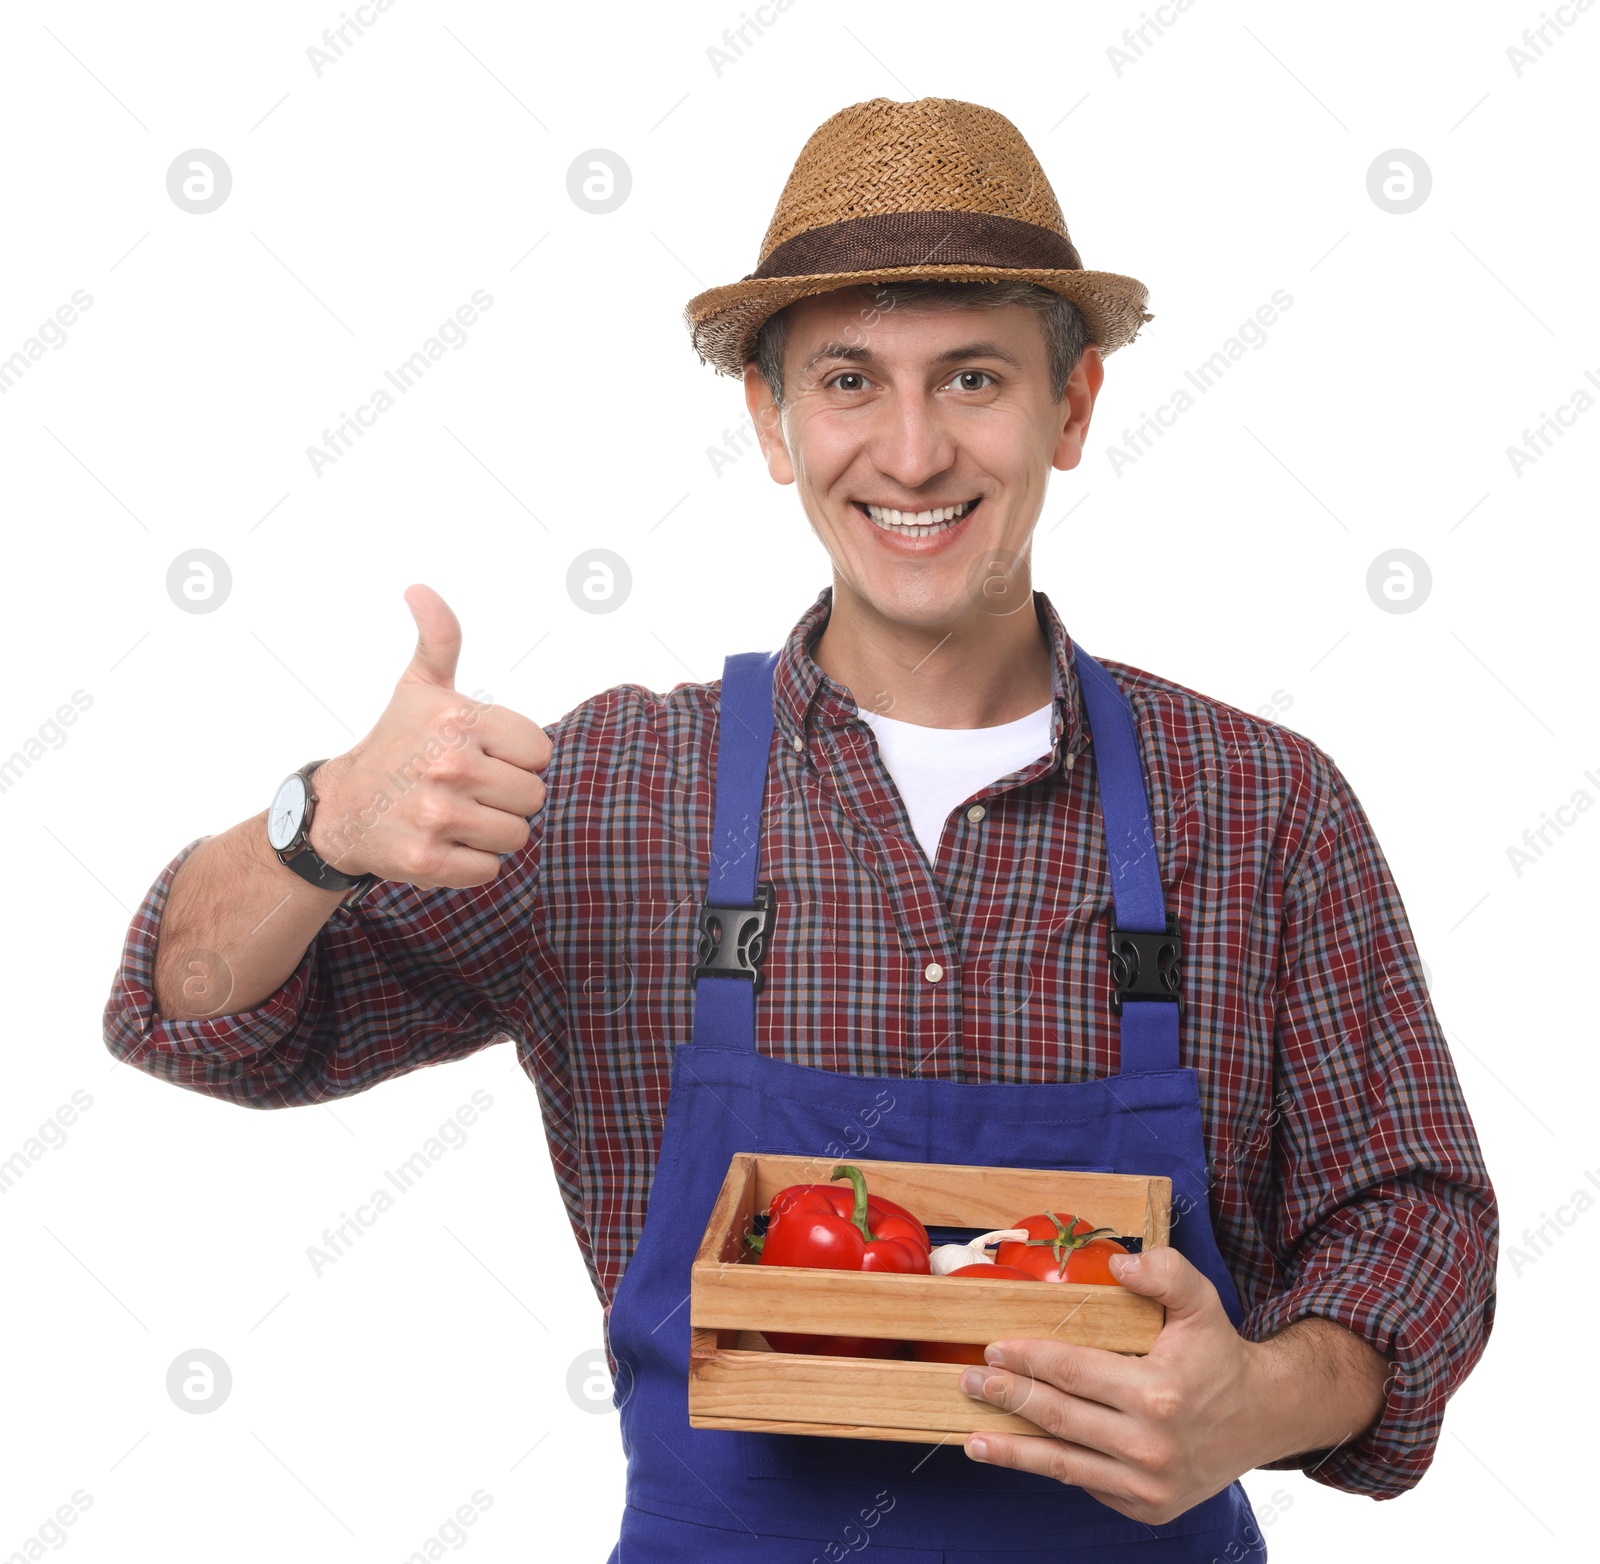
{"x": 951, "y": 1257}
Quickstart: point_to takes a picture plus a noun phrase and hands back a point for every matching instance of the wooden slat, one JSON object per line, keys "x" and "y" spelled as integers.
{"x": 730, "y": 1220}
{"x": 781, "y": 1390}
{"x": 920, "y": 1308}
{"x": 915, "y": 1436}
{"x": 946, "y": 1194}
{"x": 1158, "y": 1223}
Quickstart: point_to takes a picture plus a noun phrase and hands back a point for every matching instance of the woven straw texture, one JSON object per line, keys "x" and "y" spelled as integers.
{"x": 881, "y": 159}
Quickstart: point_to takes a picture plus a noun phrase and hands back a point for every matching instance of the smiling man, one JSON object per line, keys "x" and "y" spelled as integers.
{"x": 873, "y": 879}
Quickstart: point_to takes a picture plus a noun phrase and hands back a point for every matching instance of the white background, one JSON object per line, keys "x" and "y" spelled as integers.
{"x": 368, "y": 203}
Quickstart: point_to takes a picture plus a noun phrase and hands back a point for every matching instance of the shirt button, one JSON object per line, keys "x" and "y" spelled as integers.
{"x": 1070, "y": 762}
{"x": 797, "y": 743}
{"x": 933, "y": 972}
{"x": 976, "y": 813}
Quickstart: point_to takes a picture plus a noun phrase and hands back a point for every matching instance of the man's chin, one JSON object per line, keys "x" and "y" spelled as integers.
{"x": 922, "y": 599}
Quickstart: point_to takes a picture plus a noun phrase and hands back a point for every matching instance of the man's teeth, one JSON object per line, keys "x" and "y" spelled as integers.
{"x": 919, "y": 523}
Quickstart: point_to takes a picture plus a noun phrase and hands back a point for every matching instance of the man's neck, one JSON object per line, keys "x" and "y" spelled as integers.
{"x": 975, "y": 672}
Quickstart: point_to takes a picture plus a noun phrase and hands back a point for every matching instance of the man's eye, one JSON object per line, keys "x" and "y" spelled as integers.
{"x": 964, "y": 379}
{"x": 849, "y": 374}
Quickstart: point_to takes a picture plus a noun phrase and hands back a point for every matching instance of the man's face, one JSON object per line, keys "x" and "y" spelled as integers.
{"x": 905, "y": 413}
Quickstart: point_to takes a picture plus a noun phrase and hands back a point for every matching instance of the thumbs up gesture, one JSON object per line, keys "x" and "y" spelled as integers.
{"x": 442, "y": 786}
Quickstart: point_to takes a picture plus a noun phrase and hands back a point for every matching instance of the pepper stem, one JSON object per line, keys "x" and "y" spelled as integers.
{"x": 858, "y": 1182}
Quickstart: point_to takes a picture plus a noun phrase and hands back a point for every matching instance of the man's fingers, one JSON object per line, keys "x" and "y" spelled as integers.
{"x": 1055, "y": 1411}
{"x": 508, "y": 735}
{"x": 457, "y": 869}
{"x": 438, "y": 638}
{"x": 1066, "y": 1463}
{"x": 499, "y": 785}
{"x": 1110, "y": 1378}
{"x": 461, "y": 843}
{"x": 489, "y": 830}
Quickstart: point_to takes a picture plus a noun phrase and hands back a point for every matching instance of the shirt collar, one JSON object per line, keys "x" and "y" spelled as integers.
{"x": 805, "y": 698}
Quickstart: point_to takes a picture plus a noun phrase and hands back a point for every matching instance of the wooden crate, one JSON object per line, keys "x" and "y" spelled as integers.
{"x": 737, "y": 1381}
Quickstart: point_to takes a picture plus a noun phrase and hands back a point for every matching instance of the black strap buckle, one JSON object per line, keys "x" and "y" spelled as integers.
{"x": 734, "y": 939}
{"x": 1145, "y": 966}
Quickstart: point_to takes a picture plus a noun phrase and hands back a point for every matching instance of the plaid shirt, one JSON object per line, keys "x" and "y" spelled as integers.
{"x": 1346, "y": 1178}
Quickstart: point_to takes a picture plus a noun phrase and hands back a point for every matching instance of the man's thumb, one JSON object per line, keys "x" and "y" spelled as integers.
{"x": 1165, "y": 1275}
{"x": 438, "y": 638}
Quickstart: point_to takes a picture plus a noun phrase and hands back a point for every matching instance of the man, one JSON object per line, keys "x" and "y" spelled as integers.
{"x": 914, "y": 825}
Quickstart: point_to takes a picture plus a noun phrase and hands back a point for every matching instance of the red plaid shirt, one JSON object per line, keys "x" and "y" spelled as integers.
{"x": 1346, "y": 1178}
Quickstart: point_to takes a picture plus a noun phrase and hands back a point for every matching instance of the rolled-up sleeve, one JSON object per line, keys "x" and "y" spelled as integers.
{"x": 1383, "y": 1218}
{"x": 406, "y": 978}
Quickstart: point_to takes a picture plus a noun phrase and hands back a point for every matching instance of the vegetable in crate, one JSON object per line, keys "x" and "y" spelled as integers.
{"x": 948, "y": 1258}
{"x": 967, "y": 1351}
{"x": 1063, "y": 1251}
{"x": 833, "y": 1228}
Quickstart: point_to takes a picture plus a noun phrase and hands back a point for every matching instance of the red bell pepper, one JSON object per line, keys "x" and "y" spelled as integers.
{"x": 831, "y": 1228}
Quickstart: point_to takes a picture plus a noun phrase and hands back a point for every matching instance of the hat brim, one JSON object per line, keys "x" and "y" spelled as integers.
{"x": 723, "y": 322}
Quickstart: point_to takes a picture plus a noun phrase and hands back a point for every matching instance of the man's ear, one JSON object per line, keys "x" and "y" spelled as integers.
{"x": 1077, "y": 407}
{"x": 768, "y": 420}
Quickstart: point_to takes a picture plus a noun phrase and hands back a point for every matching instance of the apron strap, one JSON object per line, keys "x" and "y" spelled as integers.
{"x": 1149, "y": 1029}
{"x": 736, "y": 915}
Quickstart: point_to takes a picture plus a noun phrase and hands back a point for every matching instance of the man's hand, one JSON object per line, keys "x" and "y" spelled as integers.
{"x": 1153, "y": 1436}
{"x": 442, "y": 785}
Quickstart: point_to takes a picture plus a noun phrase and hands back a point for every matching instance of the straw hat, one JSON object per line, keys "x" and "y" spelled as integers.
{"x": 886, "y": 191}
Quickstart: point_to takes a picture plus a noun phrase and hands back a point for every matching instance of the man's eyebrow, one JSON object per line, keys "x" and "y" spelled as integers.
{"x": 861, "y": 355}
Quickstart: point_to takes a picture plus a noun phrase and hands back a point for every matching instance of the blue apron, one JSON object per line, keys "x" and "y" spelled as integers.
{"x": 712, "y": 1495}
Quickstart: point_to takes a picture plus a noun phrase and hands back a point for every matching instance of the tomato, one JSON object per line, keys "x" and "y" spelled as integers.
{"x": 947, "y": 1352}
{"x": 1062, "y": 1250}
{"x": 967, "y": 1351}
{"x": 831, "y": 1346}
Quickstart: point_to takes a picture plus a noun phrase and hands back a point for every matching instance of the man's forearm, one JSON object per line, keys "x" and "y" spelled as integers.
{"x": 236, "y": 925}
{"x": 1319, "y": 1385}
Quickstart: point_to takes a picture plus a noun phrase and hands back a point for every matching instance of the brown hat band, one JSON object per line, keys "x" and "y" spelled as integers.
{"x": 919, "y": 239}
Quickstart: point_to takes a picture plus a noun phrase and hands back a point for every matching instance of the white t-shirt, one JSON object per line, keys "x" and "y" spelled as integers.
{"x": 937, "y": 768}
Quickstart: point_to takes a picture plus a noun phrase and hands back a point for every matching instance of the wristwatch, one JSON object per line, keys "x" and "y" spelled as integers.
{"x": 289, "y": 834}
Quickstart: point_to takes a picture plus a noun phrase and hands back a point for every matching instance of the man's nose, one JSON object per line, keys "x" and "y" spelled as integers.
{"x": 910, "y": 440}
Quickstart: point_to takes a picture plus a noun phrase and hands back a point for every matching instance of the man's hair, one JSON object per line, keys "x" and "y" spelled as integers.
{"x": 1066, "y": 333}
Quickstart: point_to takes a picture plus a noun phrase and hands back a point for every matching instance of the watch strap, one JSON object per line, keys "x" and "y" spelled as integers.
{"x": 309, "y": 864}
{"x": 316, "y": 871}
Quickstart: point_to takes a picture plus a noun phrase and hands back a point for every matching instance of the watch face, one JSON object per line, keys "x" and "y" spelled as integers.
{"x": 288, "y": 810}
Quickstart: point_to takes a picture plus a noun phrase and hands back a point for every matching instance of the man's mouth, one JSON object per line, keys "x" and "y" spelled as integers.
{"x": 920, "y": 523}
